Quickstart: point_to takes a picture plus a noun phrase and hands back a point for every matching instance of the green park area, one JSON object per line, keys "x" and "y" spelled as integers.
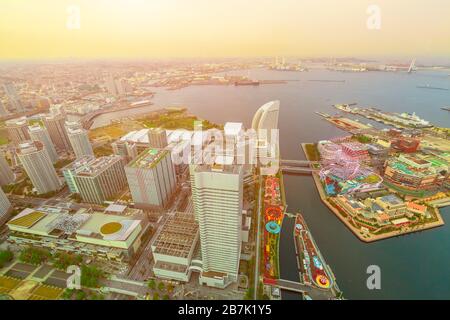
{"x": 177, "y": 119}
{"x": 312, "y": 153}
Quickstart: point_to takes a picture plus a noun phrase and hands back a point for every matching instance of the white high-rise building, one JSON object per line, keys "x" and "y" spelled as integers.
{"x": 17, "y": 130}
{"x": 151, "y": 178}
{"x": 6, "y": 174}
{"x": 37, "y": 164}
{"x": 218, "y": 197}
{"x": 157, "y": 138}
{"x": 55, "y": 125}
{"x": 79, "y": 140}
{"x": 39, "y": 133}
{"x": 5, "y": 207}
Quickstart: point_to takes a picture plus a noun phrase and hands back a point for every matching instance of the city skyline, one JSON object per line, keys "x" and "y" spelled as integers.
{"x": 168, "y": 29}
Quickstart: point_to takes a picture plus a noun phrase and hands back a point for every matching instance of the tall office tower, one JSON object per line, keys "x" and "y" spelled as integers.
{"x": 101, "y": 180}
{"x": 5, "y": 207}
{"x": 151, "y": 178}
{"x": 17, "y": 130}
{"x": 13, "y": 97}
{"x": 6, "y": 174}
{"x": 37, "y": 164}
{"x": 125, "y": 149}
{"x": 38, "y": 133}
{"x": 218, "y": 197}
{"x": 157, "y": 138}
{"x": 55, "y": 126}
{"x": 71, "y": 170}
{"x": 80, "y": 142}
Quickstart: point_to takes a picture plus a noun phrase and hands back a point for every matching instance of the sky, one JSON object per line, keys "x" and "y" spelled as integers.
{"x": 48, "y": 29}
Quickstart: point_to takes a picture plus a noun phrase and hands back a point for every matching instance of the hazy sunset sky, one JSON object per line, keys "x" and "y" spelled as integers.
{"x": 36, "y": 29}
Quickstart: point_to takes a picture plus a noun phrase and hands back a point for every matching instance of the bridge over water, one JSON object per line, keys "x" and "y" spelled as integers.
{"x": 313, "y": 292}
{"x": 298, "y": 166}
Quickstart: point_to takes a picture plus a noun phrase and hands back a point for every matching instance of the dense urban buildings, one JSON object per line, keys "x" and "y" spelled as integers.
{"x": 38, "y": 166}
{"x": 151, "y": 178}
{"x": 79, "y": 140}
{"x": 39, "y": 133}
{"x": 101, "y": 179}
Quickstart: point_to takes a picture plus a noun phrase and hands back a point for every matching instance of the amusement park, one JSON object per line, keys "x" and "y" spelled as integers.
{"x": 273, "y": 219}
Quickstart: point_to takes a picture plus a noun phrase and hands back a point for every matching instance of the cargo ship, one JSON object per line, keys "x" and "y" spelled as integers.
{"x": 246, "y": 83}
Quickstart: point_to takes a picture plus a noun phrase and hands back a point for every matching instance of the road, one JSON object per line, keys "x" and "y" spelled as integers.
{"x": 258, "y": 237}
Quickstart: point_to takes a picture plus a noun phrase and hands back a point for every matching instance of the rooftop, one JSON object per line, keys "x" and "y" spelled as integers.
{"x": 178, "y": 235}
{"x": 98, "y": 165}
{"x": 148, "y": 159}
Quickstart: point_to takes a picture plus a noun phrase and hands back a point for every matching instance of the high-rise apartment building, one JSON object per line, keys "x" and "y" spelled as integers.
{"x": 39, "y": 133}
{"x": 151, "y": 178}
{"x": 79, "y": 140}
{"x": 5, "y": 207}
{"x": 17, "y": 130}
{"x": 101, "y": 180}
{"x": 157, "y": 138}
{"x": 6, "y": 174}
{"x": 55, "y": 126}
{"x": 37, "y": 164}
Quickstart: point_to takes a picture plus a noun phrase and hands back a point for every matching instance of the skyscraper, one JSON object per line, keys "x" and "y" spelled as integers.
{"x": 101, "y": 179}
{"x": 39, "y": 133}
{"x": 17, "y": 130}
{"x": 55, "y": 126}
{"x": 37, "y": 164}
{"x": 151, "y": 178}
{"x": 5, "y": 207}
{"x": 126, "y": 149}
{"x": 218, "y": 197}
{"x": 6, "y": 174}
{"x": 80, "y": 142}
{"x": 157, "y": 138}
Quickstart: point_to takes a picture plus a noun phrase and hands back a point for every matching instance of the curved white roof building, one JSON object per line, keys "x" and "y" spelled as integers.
{"x": 267, "y": 116}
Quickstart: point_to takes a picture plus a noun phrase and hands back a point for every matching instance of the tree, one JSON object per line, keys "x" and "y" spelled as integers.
{"x": 81, "y": 295}
{"x": 161, "y": 286}
{"x": 166, "y": 297}
{"x": 151, "y": 284}
{"x": 155, "y": 296}
{"x": 90, "y": 276}
{"x": 5, "y": 256}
